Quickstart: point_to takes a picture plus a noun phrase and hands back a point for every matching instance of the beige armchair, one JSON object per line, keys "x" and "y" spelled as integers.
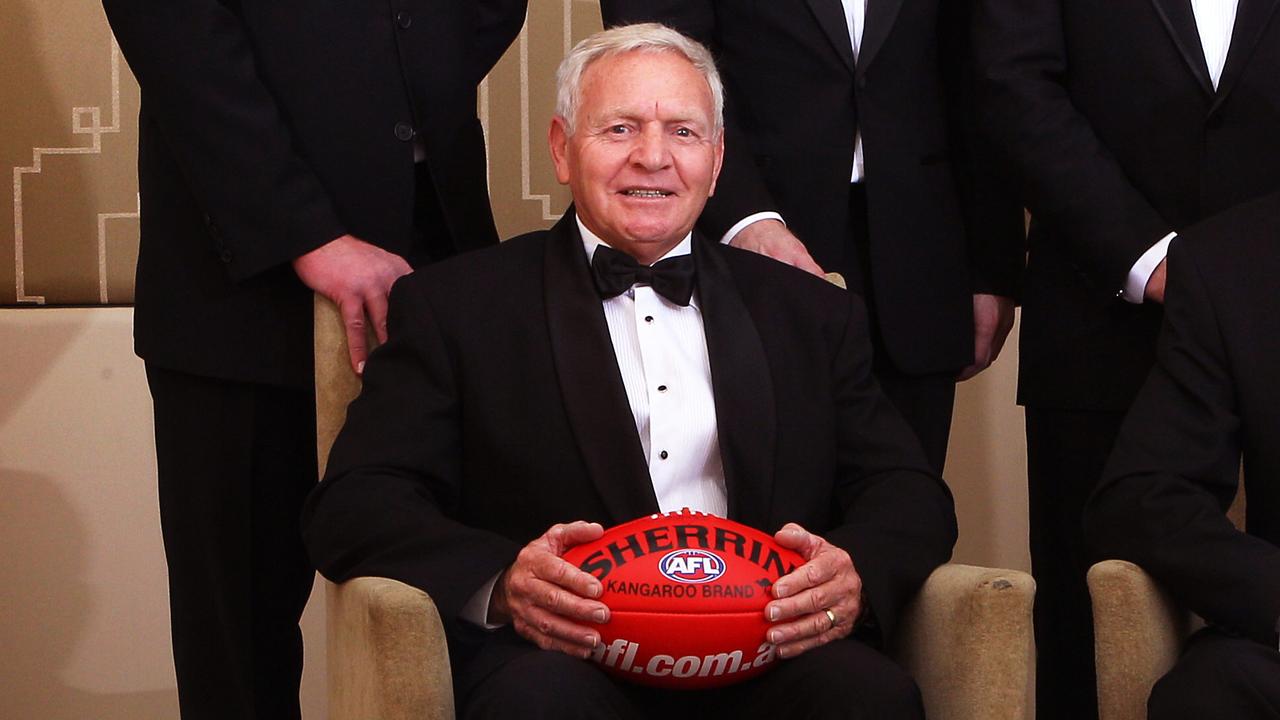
{"x": 1138, "y": 631}
{"x": 966, "y": 639}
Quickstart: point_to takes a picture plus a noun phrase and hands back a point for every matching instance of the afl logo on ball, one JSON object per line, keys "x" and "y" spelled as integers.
{"x": 691, "y": 566}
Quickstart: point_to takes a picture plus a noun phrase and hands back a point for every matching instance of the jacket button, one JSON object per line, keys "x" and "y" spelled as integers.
{"x": 404, "y": 131}
{"x": 404, "y": 19}
{"x": 225, "y": 256}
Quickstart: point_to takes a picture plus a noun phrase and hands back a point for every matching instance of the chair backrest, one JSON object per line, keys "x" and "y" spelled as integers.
{"x": 336, "y": 383}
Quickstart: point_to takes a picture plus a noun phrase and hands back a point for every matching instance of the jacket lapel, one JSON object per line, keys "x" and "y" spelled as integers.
{"x": 742, "y": 387}
{"x": 881, "y": 15}
{"x": 590, "y": 381}
{"x": 1252, "y": 17}
{"x": 830, "y": 15}
{"x": 1180, "y": 22}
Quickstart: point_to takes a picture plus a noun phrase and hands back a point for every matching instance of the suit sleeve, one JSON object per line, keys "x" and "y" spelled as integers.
{"x": 741, "y": 189}
{"x": 993, "y": 215}
{"x": 196, "y": 67}
{"x": 395, "y": 472}
{"x": 1069, "y": 178}
{"x": 899, "y": 520}
{"x": 1175, "y": 468}
{"x": 498, "y": 23}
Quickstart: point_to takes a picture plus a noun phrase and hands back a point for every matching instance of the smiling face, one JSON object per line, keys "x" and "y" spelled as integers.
{"x": 645, "y": 152}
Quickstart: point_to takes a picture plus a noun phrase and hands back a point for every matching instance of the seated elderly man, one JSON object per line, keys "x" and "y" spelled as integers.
{"x": 1213, "y": 397}
{"x": 617, "y": 366}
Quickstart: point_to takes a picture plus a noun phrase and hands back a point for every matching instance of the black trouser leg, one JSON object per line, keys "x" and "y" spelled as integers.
{"x": 1066, "y": 451}
{"x": 1219, "y": 676}
{"x": 843, "y": 680}
{"x": 235, "y": 462}
{"x": 926, "y": 403}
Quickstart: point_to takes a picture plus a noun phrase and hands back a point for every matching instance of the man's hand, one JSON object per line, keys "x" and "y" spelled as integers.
{"x": 357, "y": 277}
{"x": 1155, "y": 284}
{"x": 548, "y": 599}
{"x": 826, "y": 586}
{"x": 992, "y": 321}
{"x": 772, "y": 239}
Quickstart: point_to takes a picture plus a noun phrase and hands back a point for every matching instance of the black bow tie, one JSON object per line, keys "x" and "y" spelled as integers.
{"x": 616, "y": 272}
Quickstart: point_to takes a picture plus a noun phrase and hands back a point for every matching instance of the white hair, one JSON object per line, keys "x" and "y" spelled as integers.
{"x": 642, "y": 37}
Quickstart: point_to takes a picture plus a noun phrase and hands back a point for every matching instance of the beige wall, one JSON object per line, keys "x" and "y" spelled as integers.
{"x": 83, "y": 613}
{"x": 84, "y": 609}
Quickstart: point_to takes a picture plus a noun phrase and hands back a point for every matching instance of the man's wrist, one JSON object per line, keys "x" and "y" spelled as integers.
{"x": 1135, "y": 286}
{"x": 498, "y": 613}
{"x": 749, "y": 220}
{"x": 479, "y": 609}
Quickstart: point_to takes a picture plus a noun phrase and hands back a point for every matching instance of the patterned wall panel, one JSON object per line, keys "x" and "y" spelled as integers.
{"x": 516, "y": 104}
{"x": 68, "y": 137}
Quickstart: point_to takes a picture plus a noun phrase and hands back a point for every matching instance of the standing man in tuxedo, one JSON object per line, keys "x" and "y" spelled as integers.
{"x": 629, "y": 366}
{"x": 848, "y": 121}
{"x": 1213, "y": 397}
{"x": 285, "y": 147}
{"x": 1126, "y": 123}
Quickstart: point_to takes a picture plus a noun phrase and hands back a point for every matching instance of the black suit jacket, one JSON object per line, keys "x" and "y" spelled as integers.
{"x": 941, "y": 224}
{"x": 1214, "y": 395}
{"x": 270, "y": 127}
{"x": 1107, "y": 111}
{"x": 485, "y": 420}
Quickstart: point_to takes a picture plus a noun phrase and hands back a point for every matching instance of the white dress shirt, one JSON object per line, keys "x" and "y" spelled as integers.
{"x": 855, "y": 16}
{"x": 661, "y": 349}
{"x": 1215, "y": 20}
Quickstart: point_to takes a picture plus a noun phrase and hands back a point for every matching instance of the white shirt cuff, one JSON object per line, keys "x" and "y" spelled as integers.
{"x": 752, "y": 218}
{"x": 476, "y": 611}
{"x": 1135, "y": 288}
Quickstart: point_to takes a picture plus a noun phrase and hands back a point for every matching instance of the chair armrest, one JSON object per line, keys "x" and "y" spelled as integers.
{"x": 1138, "y": 633}
{"x": 387, "y": 654}
{"x": 967, "y": 641}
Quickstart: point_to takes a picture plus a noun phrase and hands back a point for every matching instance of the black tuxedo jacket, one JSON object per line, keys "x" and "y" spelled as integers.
{"x": 1214, "y": 395}
{"x": 1108, "y": 114}
{"x": 270, "y": 127}
{"x": 489, "y": 417}
{"x": 941, "y": 224}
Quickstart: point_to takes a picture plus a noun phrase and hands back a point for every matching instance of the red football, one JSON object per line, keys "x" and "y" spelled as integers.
{"x": 686, "y": 593}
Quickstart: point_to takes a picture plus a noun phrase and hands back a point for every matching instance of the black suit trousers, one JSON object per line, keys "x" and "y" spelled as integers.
{"x": 235, "y": 462}
{"x": 845, "y": 679}
{"x": 1219, "y": 676}
{"x": 924, "y": 401}
{"x": 1066, "y": 452}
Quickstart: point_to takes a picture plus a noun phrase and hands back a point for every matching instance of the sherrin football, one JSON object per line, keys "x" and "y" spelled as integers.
{"x": 686, "y": 593}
